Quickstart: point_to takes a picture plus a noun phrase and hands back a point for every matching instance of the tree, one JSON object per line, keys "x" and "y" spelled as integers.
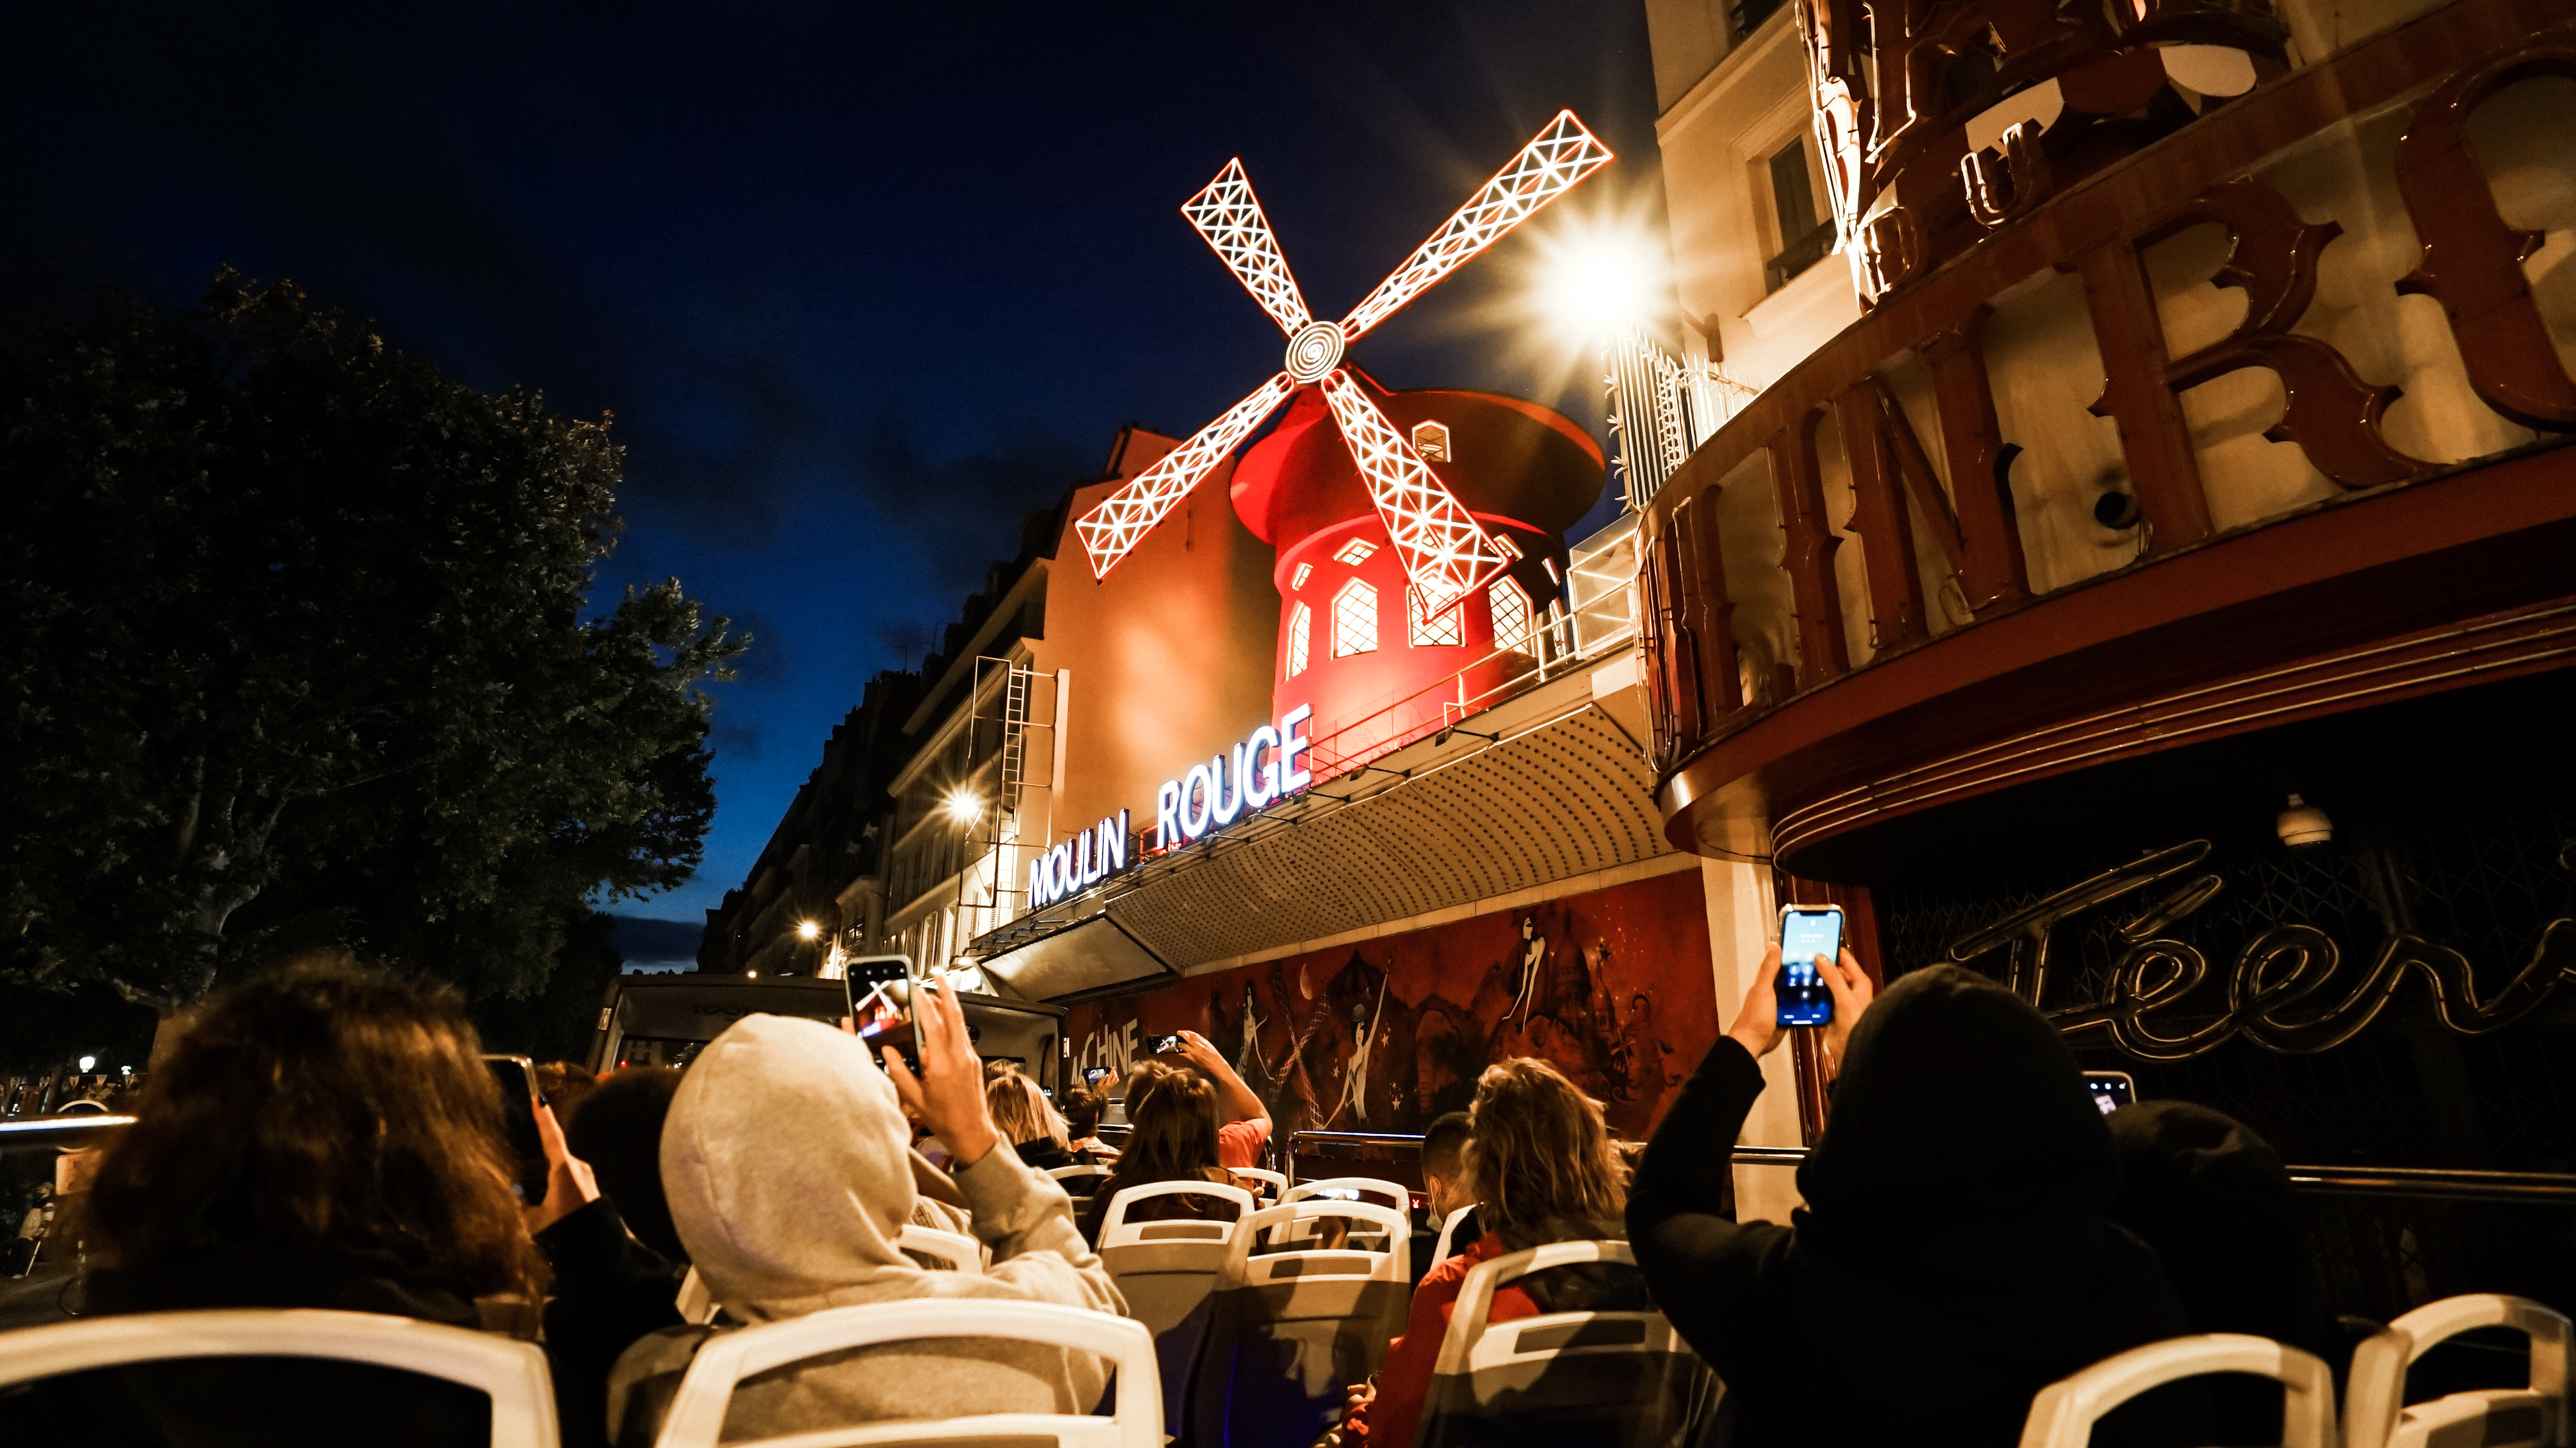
{"x": 301, "y": 654}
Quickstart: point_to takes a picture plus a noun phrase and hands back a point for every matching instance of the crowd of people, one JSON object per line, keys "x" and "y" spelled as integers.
{"x": 326, "y": 1135}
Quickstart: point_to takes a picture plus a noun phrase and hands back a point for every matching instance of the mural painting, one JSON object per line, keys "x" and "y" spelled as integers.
{"x": 1613, "y": 988}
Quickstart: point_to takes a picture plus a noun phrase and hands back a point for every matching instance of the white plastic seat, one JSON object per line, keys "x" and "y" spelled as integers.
{"x": 1168, "y": 1272}
{"x": 1397, "y": 1194}
{"x": 512, "y": 1373}
{"x": 1613, "y": 1376}
{"x": 697, "y": 1414}
{"x": 959, "y": 1251}
{"x": 1274, "y": 1184}
{"x": 1446, "y": 1248}
{"x": 1078, "y": 1181}
{"x": 1293, "y": 1328}
{"x": 696, "y": 1304}
{"x": 2063, "y": 1413}
{"x": 2376, "y": 1414}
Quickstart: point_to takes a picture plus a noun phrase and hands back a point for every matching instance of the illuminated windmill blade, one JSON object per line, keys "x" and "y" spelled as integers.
{"x": 1111, "y": 529}
{"x": 1228, "y": 217}
{"x": 1442, "y": 549}
{"x": 1562, "y": 154}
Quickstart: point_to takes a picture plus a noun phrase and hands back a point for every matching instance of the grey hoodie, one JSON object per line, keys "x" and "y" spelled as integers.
{"x": 784, "y": 1158}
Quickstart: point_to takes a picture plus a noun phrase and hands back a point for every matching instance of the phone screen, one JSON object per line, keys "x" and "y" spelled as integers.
{"x": 1164, "y": 1045}
{"x": 1094, "y": 1075}
{"x": 883, "y": 1023}
{"x": 1804, "y": 935}
{"x": 518, "y": 1082}
{"x": 2111, "y": 1089}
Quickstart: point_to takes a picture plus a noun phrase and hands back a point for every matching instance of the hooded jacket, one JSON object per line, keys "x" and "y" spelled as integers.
{"x": 784, "y": 1159}
{"x": 1953, "y": 1256}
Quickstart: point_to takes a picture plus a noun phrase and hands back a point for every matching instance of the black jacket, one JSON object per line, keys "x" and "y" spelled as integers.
{"x": 608, "y": 1290}
{"x": 1952, "y": 1258}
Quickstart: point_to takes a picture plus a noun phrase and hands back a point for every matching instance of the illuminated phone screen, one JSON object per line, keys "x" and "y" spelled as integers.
{"x": 1804, "y": 935}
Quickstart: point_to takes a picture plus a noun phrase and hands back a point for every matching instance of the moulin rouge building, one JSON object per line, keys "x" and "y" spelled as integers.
{"x": 2085, "y": 429}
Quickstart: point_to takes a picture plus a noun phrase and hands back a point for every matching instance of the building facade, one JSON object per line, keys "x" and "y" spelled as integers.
{"x": 2142, "y": 571}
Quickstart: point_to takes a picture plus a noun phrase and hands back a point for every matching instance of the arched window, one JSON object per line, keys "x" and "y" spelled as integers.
{"x": 1301, "y": 626}
{"x": 1511, "y": 609}
{"x": 1430, "y": 632}
{"x": 1355, "y": 620}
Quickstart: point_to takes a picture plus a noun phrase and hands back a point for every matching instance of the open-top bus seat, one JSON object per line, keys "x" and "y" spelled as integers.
{"x": 1168, "y": 1270}
{"x": 2063, "y": 1413}
{"x": 1079, "y": 1182}
{"x": 2376, "y": 1414}
{"x": 511, "y": 1373}
{"x": 1295, "y": 1327}
{"x": 1618, "y": 1376}
{"x": 954, "y": 1250}
{"x": 1274, "y": 1186}
{"x": 697, "y": 1414}
{"x": 1447, "y": 1247}
{"x": 1370, "y": 1189}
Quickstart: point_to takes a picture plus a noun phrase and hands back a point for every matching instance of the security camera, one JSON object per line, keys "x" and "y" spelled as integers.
{"x": 2303, "y": 824}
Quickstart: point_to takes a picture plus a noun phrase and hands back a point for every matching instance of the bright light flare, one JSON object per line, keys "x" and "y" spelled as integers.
{"x": 808, "y": 930}
{"x": 1598, "y": 292}
{"x": 964, "y": 805}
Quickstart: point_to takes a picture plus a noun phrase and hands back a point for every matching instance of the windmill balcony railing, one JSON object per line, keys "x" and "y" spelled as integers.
{"x": 1601, "y": 621}
{"x": 1793, "y": 695}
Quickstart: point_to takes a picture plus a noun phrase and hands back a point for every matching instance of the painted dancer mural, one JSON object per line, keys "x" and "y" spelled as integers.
{"x": 1612, "y": 988}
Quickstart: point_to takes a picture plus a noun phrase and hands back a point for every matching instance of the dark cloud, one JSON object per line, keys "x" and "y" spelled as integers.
{"x": 958, "y": 514}
{"x": 646, "y": 942}
{"x": 732, "y": 740}
{"x": 765, "y": 666}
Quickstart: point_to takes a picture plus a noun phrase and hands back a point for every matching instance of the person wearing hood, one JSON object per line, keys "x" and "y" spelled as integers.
{"x": 787, "y": 1164}
{"x": 2214, "y": 1200}
{"x": 1953, "y": 1256}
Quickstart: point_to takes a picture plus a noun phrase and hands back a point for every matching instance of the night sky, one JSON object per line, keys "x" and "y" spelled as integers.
{"x": 860, "y": 284}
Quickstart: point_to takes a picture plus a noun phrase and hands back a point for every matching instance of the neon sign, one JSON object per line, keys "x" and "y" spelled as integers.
{"x": 1229, "y": 786}
{"x": 1079, "y": 863}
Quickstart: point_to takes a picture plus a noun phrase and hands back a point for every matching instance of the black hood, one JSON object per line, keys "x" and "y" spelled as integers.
{"x": 1959, "y": 1117}
{"x": 2214, "y": 1199}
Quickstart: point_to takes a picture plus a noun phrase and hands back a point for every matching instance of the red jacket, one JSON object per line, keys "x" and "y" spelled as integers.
{"x": 1388, "y": 1420}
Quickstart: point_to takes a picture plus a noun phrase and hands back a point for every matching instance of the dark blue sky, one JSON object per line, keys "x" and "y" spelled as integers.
{"x": 861, "y": 284}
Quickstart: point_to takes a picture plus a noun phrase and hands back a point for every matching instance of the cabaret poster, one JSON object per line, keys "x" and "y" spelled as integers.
{"x": 1611, "y": 987}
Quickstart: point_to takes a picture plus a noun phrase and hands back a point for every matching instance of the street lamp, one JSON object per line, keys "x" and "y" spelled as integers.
{"x": 86, "y": 1062}
{"x": 964, "y": 805}
{"x": 808, "y": 930}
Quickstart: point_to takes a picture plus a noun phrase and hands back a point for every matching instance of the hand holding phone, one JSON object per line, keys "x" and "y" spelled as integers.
{"x": 1166, "y": 1045}
{"x": 947, "y": 1092}
{"x": 1808, "y": 934}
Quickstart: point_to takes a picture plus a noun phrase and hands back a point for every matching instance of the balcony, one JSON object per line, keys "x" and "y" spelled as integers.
{"x": 2258, "y": 423}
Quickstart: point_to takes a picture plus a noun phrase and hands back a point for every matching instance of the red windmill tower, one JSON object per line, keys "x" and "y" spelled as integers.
{"x": 1444, "y": 553}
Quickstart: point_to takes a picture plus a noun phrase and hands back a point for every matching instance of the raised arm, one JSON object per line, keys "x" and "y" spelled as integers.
{"x": 1232, "y": 1097}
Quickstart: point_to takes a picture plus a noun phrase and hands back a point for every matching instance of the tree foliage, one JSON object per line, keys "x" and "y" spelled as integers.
{"x": 302, "y": 653}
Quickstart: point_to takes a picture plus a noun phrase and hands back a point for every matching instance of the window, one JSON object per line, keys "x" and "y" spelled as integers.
{"x": 1355, "y": 620}
{"x": 1511, "y": 608}
{"x": 1301, "y": 624}
{"x": 1355, "y": 552}
{"x": 1805, "y": 236}
{"x": 1425, "y": 633}
{"x": 1304, "y": 572}
{"x": 1431, "y": 441}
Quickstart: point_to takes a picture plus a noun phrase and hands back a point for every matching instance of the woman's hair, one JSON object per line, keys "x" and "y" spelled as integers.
{"x": 1172, "y": 1120}
{"x": 619, "y": 1132}
{"x": 321, "y": 1104}
{"x": 565, "y": 1085}
{"x": 1538, "y": 1156}
{"x": 1020, "y": 1111}
{"x": 1082, "y": 1110}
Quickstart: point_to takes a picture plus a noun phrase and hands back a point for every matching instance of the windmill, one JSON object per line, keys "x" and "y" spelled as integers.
{"x": 1444, "y": 552}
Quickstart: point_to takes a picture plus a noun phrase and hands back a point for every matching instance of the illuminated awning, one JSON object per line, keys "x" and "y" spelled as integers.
{"x": 1550, "y": 785}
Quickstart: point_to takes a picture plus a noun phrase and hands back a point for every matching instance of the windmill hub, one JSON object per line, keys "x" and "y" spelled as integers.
{"x": 1314, "y": 350}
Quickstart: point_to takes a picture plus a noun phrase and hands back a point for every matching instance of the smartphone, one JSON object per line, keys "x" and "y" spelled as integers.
{"x": 517, "y": 1078}
{"x": 1092, "y": 1076}
{"x": 882, "y": 1020}
{"x": 1164, "y": 1045}
{"x": 1807, "y": 931}
{"x": 2111, "y": 1089}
